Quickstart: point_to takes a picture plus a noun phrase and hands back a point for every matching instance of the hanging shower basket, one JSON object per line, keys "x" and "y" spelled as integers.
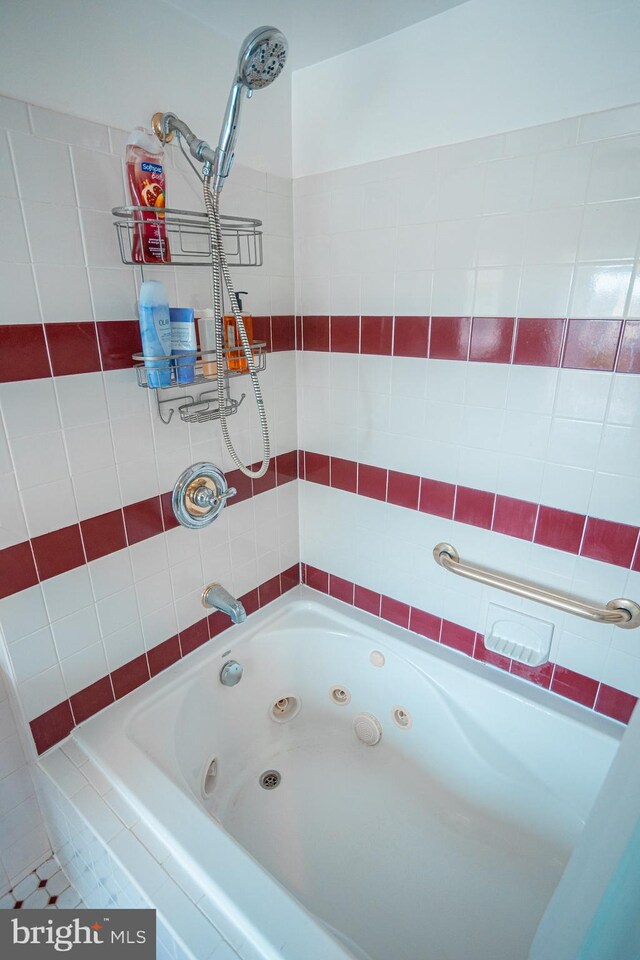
{"x": 197, "y": 400}
{"x": 188, "y": 235}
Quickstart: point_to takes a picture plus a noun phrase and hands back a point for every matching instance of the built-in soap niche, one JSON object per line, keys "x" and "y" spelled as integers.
{"x": 517, "y": 635}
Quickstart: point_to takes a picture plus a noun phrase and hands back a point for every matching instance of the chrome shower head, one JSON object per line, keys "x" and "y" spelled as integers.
{"x": 262, "y": 56}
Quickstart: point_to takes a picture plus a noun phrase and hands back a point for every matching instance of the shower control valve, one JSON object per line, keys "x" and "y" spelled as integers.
{"x": 204, "y": 496}
{"x": 199, "y": 495}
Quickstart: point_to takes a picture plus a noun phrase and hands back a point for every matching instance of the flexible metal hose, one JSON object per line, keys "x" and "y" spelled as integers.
{"x": 221, "y": 269}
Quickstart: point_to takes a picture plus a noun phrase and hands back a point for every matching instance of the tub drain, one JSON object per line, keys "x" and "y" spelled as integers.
{"x": 270, "y": 779}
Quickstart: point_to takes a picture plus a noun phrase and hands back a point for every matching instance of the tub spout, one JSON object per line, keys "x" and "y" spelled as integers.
{"x": 217, "y": 597}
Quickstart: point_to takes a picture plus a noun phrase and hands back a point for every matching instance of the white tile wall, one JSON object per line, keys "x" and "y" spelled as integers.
{"x": 81, "y": 445}
{"x": 112, "y": 448}
{"x": 543, "y": 201}
{"x": 540, "y": 222}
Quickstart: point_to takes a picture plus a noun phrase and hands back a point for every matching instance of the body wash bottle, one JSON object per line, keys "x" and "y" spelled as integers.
{"x": 155, "y": 332}
{"x": 236, "y": 359}
{"x": 147, "y": 187}
{"x": 183, "y": 343}
{"x": 207, "y": 334}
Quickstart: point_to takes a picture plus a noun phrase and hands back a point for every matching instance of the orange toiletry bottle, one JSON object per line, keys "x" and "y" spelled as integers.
{"x": 236, "y": 359}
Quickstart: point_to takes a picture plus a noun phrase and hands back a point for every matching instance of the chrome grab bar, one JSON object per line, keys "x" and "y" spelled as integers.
{"x": 620, "y": 613}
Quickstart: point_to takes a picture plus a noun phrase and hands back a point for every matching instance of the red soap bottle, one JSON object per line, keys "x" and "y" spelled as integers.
{"x": 147, "y": 187}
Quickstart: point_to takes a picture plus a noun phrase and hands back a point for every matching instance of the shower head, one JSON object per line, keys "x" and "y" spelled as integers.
{"x": 263, "y": 55}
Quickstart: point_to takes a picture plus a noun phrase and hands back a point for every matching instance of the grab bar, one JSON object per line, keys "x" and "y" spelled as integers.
{"x": 621, "y": 613}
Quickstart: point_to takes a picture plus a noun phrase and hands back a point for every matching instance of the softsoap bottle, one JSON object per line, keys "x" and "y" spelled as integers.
{"x": 155, "y": 332}
{"x": 236, "y": 359}
{"x": 147, "y": 186}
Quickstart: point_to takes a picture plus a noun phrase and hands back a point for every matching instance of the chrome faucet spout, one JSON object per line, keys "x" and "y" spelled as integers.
{"x": 215, "y": 596}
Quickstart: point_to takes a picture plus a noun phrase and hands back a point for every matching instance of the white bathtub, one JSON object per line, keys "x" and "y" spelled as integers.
{"x": 444, "y": 841}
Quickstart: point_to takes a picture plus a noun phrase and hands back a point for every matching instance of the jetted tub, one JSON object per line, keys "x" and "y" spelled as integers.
{"x": 442, "y": 841}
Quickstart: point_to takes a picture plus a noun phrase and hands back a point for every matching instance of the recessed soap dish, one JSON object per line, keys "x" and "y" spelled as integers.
{"x": 518, "y": 636}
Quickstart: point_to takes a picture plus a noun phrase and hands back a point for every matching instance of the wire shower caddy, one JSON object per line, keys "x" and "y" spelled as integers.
{"x": 189, "y": 245}
{"x": 188, "y": 235}
{"x": 199, "y": 405}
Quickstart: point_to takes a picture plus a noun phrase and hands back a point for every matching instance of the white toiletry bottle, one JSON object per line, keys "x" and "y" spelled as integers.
{"x": 207, "y": 334}
{"x": 155, "y": 332}
{"x": 183, "y": 343}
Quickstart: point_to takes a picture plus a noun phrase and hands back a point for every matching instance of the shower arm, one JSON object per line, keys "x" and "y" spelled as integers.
{"x": 166, "y": 124}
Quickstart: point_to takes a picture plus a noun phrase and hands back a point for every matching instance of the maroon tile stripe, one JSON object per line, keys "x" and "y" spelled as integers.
{"x": 604, "y": 540}
{"x": 533, "y": 341}
{"x": 25, "y": 564}
{"x": 37, "y": 350}
{"x": 31, "y": 351}
{"x": 566, "y": 683}
{"x": 57, "y": 723}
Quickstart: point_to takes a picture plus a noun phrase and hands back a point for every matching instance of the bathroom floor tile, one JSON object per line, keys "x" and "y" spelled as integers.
{"x": 47, "y": 886}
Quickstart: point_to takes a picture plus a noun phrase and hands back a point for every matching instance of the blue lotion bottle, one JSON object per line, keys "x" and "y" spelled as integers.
{"x": 183, "y": 343}
{"x": 155, "y": 332}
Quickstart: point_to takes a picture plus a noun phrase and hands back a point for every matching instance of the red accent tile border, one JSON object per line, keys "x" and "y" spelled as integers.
{"x": 58, "y": 551}
{"x": 531, "y": 341}
{"x": 52, "y": 726}
{"x": 539, "y": 342}
{"x": 143, "y": 520}
{"x": 551, "y": 676}
{"x": 410, "y": 337}
{"x": 367, "y": 600}
{"x": 591, "y": 344}
{"x": 73, "y": 348}
{"x": 604, "y": 540}
{"x": 492, "y": 339}
{"x": 93, "y": 698}
{"x": 56, "y": 724}
{"x": 629, "y": 356}
{"x": 37, "y": 350}
{"x": 163, "y": 655}
{"x": 25, "y": 564}
{"x": 103, "y": 534}
{"x": 130, "y": 676}
{"x": 23, "y": 352}
{"x": 31, "y": 351}
{"x": 17, "y": 569}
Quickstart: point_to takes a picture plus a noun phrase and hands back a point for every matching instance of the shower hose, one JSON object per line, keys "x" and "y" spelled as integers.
{"x": 220, "y": 270}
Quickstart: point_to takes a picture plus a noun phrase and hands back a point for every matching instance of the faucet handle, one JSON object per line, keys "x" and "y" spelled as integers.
{"x": 199, "y": 495}
{"x": 204, "y": 496}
